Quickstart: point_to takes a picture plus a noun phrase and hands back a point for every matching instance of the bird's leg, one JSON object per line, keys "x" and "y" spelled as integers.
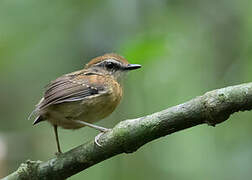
{"x": 99, "y": 128}
{"x": 57, "y": 138}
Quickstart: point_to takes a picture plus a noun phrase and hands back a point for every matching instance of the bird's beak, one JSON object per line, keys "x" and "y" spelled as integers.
{"x": 132, "y": 66}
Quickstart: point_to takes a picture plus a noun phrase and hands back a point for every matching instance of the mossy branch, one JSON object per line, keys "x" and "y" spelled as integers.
{"x": 126, "y": 137}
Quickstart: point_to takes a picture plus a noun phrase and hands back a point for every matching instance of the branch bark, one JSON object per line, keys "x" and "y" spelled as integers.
{"x": 126, "y": 137}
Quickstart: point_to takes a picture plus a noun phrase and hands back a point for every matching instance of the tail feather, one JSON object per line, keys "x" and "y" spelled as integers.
{"x": 32, "y": 114}
{"x": 36, "y": 110}
{"x": 38, "y": 120}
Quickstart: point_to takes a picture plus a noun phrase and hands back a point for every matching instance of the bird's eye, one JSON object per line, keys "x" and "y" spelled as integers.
{"x": 109, "y": 65}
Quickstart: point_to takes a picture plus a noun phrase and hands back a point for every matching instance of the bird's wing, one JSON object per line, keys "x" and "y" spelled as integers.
{"x": 70, "y": 88}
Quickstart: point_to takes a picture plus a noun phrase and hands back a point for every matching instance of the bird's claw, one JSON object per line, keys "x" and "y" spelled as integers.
{"x": 57, "y": 154}
{"x": 98, "y": 137}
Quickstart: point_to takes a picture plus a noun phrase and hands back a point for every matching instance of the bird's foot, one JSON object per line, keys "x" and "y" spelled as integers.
{"x": 57, "y": 154}
{"x": 99, "y": 135}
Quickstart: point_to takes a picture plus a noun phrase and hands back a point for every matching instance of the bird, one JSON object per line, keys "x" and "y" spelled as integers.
{"x": 83, "y": 97}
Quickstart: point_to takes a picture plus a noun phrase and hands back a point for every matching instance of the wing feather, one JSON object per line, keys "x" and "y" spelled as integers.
{"x": 69, "y": 89}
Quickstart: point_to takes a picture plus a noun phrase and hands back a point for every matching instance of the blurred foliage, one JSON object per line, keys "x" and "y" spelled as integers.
{"x": 186, "y": 48}
{"x": 144, "y": 48}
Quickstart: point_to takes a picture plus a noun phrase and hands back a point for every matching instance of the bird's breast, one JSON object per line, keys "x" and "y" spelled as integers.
{"x": 100, "y": 106}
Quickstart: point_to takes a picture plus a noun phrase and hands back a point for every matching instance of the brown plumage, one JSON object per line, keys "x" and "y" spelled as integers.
{"x": 76, "y": 99}
{"x": 107, "y": 56}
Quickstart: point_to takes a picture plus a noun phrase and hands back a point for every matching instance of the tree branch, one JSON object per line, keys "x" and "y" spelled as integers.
{"x": 126, "y": 137}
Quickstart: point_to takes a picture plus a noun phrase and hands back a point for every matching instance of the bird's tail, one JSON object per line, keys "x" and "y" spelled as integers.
{"x": 36, "y": 114}
{"x": 38, "y": 120}
{"x": 32, "y": 114}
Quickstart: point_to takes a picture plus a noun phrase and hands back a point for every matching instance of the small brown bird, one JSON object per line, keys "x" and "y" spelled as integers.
{"x": 83, "y": 97}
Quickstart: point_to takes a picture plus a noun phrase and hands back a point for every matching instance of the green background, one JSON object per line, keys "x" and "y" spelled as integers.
{"x": 186, "y": 48}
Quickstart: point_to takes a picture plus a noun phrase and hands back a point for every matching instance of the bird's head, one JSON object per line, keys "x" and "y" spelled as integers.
{"x": 111, "y": 64}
